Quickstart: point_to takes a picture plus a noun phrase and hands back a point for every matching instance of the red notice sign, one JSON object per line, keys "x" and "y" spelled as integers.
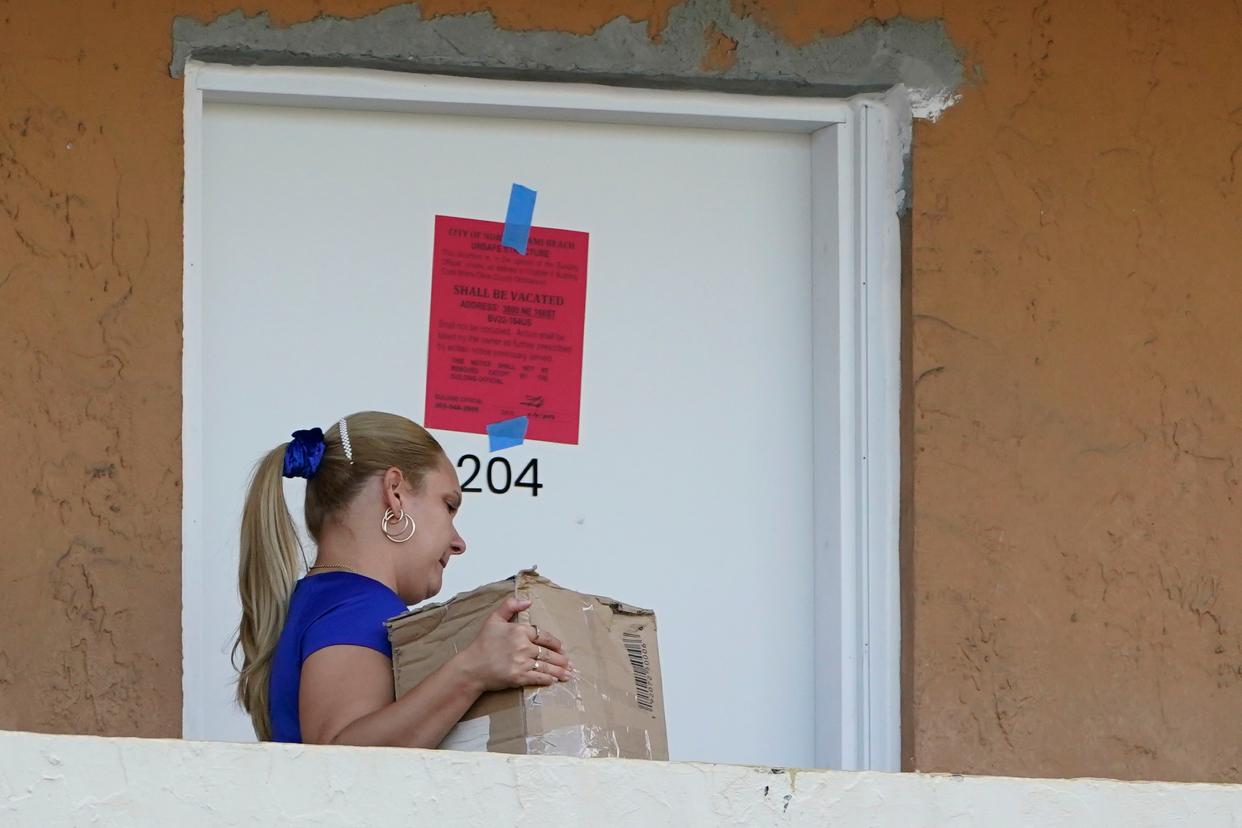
{"x": 506, "y": 330}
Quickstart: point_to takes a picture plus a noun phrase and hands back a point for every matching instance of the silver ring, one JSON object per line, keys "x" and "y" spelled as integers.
{"x": 536, "y": 626}
{"x": 539, "y": 655}
{"x": 536, "y": 669}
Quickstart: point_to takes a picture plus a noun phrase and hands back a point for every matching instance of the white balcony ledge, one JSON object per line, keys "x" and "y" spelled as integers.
{"x": 82, "y": 780}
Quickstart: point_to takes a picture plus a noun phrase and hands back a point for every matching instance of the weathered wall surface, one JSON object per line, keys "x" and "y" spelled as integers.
{"x": 1075, "y": 574}
{"x": 53, "y": 781}
{"x": 1077, "y": 568}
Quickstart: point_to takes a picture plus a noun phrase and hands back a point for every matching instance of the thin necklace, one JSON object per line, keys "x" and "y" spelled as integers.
{"x": 332, "y": 566}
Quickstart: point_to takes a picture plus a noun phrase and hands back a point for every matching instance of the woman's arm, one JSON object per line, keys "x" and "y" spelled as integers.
{"x": 346, "y": 692}
{"x": 346, "y": 698}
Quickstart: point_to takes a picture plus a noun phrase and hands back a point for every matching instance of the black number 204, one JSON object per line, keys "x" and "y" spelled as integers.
{"x": 499, "y": 475}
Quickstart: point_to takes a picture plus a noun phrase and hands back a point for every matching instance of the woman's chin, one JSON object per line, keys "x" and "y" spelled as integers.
{"x": 422, "y": 592}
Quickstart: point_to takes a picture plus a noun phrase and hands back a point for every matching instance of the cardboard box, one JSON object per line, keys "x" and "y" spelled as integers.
{"x": 613, "y": 707}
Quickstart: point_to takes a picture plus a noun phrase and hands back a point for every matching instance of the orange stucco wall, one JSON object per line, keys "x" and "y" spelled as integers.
{"x": 1073, "y": 580}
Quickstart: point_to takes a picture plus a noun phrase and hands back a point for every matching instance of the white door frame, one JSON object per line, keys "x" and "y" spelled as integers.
{"x": 857, "y": 148}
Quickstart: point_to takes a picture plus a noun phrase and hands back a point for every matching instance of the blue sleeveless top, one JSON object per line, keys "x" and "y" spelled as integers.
{"x": 325, "y": 610}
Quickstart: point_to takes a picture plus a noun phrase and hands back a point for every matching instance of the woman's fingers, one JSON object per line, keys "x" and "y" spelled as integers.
{"x": 535, "y": 677}
{"x": 543, "y": 638}
{"x": 544, "y": 673}
{"x": 552, "y": 657}
{"x": 530, "y": 666}
{"x": 510, "y": 607}
{"x": 548, "y": 664}
{"x": 559, "y": 672}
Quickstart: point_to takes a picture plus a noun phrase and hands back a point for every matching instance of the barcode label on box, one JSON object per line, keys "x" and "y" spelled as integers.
{"x": 636, "y": 649}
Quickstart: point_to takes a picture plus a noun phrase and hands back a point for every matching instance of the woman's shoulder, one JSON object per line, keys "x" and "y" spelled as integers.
{"x": 342, "y": 608}
{"x": 341, "y": 581}
{"x": 322, "y": 593}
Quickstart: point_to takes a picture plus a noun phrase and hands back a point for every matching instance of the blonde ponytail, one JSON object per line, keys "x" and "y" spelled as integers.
{"x": 269, "y": 568}
{"x": 271, "y": 558}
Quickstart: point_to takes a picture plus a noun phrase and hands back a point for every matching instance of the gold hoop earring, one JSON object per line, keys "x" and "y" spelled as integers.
{"x": 400, "y": 519}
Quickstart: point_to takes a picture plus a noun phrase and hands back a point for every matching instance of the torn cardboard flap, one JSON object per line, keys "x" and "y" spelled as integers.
{"x": 613, "y": 706}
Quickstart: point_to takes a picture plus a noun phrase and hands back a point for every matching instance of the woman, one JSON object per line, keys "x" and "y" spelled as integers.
{"x": 317, "y": 667}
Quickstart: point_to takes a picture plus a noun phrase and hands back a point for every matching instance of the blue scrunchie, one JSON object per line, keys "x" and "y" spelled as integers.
{"x": 303, "y": 454}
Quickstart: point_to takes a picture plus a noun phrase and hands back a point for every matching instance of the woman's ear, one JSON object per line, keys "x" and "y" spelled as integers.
{"x": 394, "y": 482}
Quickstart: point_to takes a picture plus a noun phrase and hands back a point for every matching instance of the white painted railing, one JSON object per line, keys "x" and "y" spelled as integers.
{"x": 83, "y": 780}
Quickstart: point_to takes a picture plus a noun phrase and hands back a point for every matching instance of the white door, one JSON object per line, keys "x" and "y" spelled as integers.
{"x": 690, "y": 488}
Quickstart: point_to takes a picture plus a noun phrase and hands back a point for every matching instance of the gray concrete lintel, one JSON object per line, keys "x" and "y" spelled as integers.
{"x": 872, "y": 57}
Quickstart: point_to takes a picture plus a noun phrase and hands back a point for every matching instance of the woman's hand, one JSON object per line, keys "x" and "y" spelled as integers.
{"x": 505, "y": 654}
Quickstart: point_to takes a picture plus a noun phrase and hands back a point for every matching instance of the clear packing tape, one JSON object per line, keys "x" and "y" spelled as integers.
{"x": 583, "y": 741}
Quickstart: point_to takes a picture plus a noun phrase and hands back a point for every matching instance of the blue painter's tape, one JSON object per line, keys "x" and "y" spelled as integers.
{"x": 518, "y": 219}
{"x": 507, "y": 433}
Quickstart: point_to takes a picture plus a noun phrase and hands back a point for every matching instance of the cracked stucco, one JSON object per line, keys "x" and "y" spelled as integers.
{"x": 871, "y": 57}
{"x": 75, "y": 780}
